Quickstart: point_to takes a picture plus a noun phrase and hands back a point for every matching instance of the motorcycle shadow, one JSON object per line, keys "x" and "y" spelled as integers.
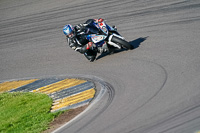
{"x": 135, "y": 44}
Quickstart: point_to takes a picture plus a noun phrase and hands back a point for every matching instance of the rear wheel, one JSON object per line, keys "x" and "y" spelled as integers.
{"x": 122, "y": 42}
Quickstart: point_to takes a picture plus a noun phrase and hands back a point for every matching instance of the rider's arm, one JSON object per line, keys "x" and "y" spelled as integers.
{"x": 80, "y": 28}
{"x": 72, "y": 43}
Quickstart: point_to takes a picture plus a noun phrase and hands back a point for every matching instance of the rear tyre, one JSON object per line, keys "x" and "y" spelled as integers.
{"x": 122, "y": 42}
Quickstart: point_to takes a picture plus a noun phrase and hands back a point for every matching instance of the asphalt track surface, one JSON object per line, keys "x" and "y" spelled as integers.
{"x": 154, "y": 88}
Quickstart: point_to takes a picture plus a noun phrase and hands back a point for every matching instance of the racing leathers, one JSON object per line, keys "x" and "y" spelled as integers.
{"x": 79, "y": 42}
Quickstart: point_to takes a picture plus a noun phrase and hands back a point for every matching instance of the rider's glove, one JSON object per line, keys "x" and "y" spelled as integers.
{"x": 77, "y": 49}
{"x": 79, "y": 27}
{"x": 73, "y": 47}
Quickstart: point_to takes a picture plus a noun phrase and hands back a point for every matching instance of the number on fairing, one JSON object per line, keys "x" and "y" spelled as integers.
{"x": 97, "y": 39}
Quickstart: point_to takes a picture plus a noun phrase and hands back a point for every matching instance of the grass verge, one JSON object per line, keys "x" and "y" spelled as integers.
{"x": 25, "y": 112}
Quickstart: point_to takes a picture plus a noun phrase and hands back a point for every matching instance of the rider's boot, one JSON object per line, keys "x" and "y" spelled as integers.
{"x": 91, "y": 56}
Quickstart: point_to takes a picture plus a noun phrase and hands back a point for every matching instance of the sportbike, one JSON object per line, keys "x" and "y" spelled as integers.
{"x": 105, "y": 38}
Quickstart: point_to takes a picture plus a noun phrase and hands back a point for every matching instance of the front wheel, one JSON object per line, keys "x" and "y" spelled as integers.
{"x": 122, "y": 42}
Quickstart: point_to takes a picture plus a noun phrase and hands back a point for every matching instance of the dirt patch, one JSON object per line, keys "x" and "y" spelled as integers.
{"x": 64, "y": 118}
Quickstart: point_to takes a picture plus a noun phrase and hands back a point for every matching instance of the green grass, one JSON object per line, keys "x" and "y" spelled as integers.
{"x": 25, "y": 112}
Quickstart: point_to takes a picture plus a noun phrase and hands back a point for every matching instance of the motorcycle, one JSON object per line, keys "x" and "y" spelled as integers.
{"x": 105, "y": 38}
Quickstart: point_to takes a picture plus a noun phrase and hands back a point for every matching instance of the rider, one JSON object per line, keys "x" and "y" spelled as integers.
{"x": 77, "y": 39}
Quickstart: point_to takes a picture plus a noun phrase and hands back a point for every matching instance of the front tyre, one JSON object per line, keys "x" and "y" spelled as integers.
{"x": 122, "y": 42}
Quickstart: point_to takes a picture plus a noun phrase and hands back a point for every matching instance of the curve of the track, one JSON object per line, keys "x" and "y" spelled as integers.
{"x": 154, "y": 88}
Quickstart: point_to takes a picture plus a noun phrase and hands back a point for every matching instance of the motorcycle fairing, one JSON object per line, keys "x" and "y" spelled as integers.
{"x": 96, "y": 38}
{"x": 110, "y": 28}
{"x": 102, "y": 26}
